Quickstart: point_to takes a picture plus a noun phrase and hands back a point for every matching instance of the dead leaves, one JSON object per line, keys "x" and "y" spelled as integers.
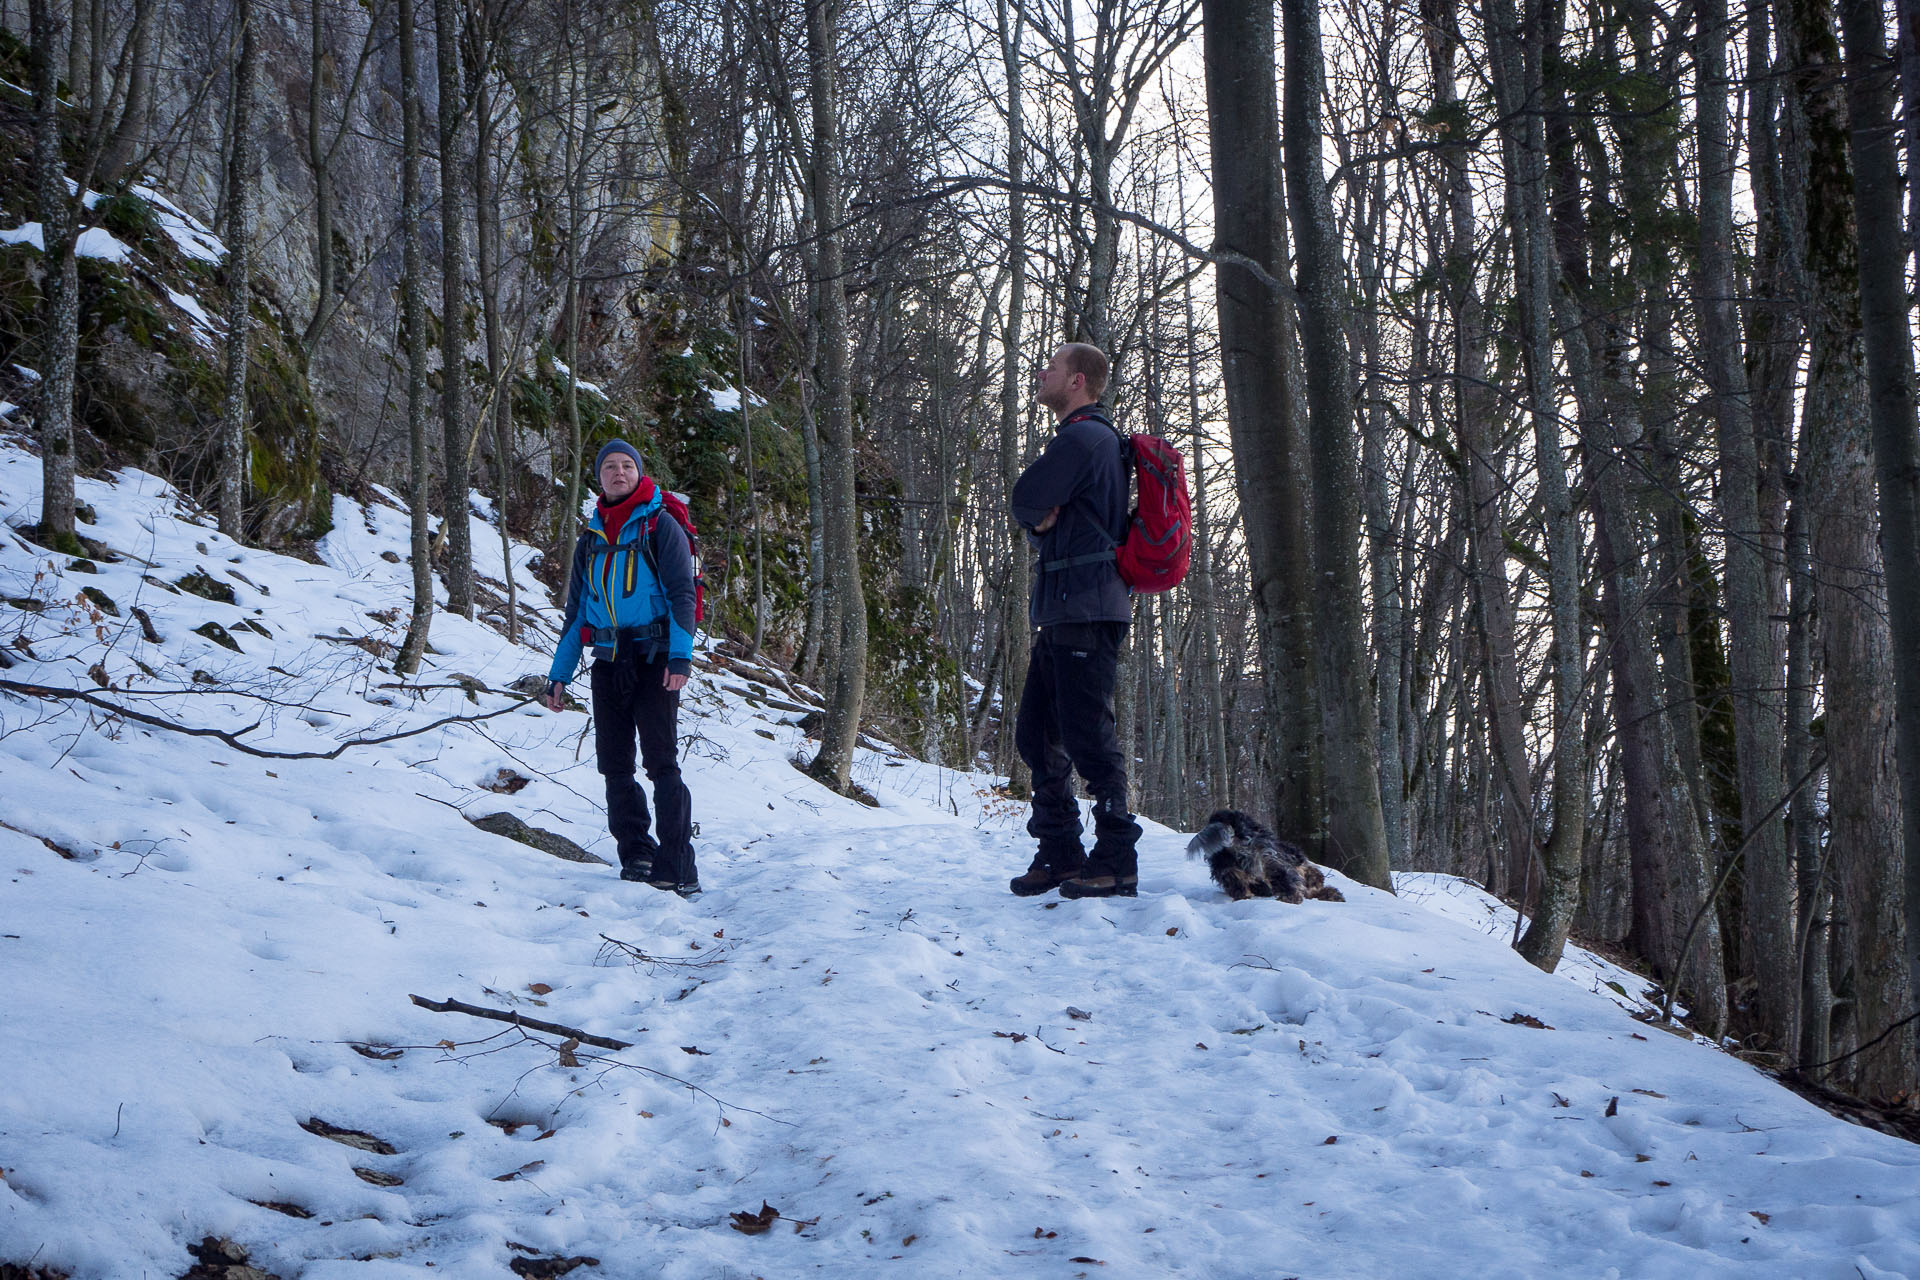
{"x": 506, "y": 782}
{"x": 521, "y": 1172}
{"x": 1526, "y": 1020}
{"x": 1015, "y": 1036}
{"x": 753, "y": 1224}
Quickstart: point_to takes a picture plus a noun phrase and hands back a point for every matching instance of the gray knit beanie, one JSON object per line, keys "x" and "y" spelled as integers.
{"x": 617, "y": 446}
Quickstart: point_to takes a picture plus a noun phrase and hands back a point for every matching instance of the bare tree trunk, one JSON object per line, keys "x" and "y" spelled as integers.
{"x": 129, "y": 144}
{"x": 1475, "y": 413}
{"x": 1356, "y": 834}
{"x": 1383, "y": 539}
{"x": 1202, "y": 585}
{"x": 414, "y": 322}
{"x": 1018, "y": 647}
{"x": 848, "y": 684}
{"x": 1668, "y": 850}
{"x": 1518, "y": 64}
{"x": 319, "y": 159}
{"x": 60, "y": 289}
{"x": 1896, "y": 431}
{"x": 1804, "y": 811}
{"x": 822, "y": 620}
{"x": 234, "y": 460}
{"x": 1864, "y": 791}
{"x": 575, "y": 154}
{"x": 487, "y": 238}
{"x": 1758, "y": 714}
{"x": 456, "y": 441}
{"x": 1263, "y": 410}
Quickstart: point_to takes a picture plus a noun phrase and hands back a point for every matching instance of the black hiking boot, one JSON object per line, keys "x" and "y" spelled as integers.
{"x": 639, "y": 872}
{"x": 688, "y": 889}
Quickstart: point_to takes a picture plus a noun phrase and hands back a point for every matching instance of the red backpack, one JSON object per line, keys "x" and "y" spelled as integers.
{"x": 675, "y": 505}
{"x": 1159, "y": 541}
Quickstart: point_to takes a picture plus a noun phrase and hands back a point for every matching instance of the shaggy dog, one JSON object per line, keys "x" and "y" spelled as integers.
{"x": 1249, "y": 861}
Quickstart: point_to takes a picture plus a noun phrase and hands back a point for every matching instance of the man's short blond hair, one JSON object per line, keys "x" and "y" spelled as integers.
{"x": 1090, "y": 362}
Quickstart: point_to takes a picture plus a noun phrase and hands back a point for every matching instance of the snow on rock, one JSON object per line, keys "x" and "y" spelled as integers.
{"x": 589, "y": 387}
{"x": 25, "y": 233}
{"x": 727, "y": 399}
{"x": 208, "y": 957}
{"x": 186, "y": 231}
{"x": 203, "y": 327}
{"x": 98, "y": 242}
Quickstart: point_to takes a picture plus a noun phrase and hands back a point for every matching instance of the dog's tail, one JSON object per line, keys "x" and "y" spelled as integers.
{"x": 1210, "y": 840}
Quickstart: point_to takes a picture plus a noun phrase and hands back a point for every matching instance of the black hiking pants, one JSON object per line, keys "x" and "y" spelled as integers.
{"x": 1066, "y": 724}
{"x": 630, "y": 701}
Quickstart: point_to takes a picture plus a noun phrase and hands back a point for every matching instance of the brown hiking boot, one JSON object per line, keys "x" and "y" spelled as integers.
{"x": 1041, "y": 877}
{"x": 1094, "y": 882}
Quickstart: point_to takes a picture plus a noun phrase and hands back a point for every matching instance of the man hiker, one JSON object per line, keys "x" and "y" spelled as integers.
{"x": 630, "y": 604}
{"x": 1073, "y": 504}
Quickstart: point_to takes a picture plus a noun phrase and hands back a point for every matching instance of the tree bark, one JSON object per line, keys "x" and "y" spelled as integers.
{"x": 1864, "y": 795}
{"x": 414, "y": 324}
{"x": 1356, "y": 834}
{"x": 1475, "y": 414}
{"x": 1759, "y": 716}
{"x": 848, "y": 668}
{"x": 1018, "y": 646}
{"x": 487, "y": 239}
{"x": 455, "y": 438}
{"x": 1896, "y": 431}
{"x": 1518, "y": 56}
{"x": 1258, "y": 363}
{"x": 130, "y": 137}
{"x": 59, "y": 288}
{"x": 234, "y": 456}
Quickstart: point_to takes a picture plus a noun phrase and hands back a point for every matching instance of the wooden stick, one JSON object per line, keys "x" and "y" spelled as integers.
{"x": 502, "y": 1015}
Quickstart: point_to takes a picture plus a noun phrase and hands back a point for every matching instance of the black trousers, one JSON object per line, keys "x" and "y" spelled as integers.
{"x": 630, "y": 701}
{"x": 1066, "y": 724}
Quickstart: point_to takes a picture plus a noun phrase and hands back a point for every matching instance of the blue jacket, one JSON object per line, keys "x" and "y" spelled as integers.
{"x": 624, "y": 584}
{"x": 1083, "y": 471}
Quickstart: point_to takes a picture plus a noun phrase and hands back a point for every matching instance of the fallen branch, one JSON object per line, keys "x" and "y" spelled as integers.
{"x": 232, "y": 739}
{"x": 502, "y": 1015}
{"x": 767, "y": 700}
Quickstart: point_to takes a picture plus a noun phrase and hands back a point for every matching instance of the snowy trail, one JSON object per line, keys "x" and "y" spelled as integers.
{"x": 856, "y": 1023}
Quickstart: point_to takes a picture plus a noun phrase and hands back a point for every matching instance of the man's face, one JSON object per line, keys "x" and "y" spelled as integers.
{"x": 618, "y": 476}
{"x": 1055, "y": 386}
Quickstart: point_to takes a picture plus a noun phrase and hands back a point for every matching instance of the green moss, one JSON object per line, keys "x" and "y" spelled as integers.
{"x": 130, "y": 220}
{"x": 207, "y": 587}
{"x": 285, "y": 481}
{"x": 218, "y": 634}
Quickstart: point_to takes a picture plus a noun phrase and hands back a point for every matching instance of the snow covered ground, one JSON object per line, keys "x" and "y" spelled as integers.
{"x": 207, "y": 956}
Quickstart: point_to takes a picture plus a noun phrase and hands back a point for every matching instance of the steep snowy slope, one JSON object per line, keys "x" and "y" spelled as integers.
{"x": 206, "y": 959}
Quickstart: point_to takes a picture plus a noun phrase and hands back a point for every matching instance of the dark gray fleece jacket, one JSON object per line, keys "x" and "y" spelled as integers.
{"x": 1083, "y": 471}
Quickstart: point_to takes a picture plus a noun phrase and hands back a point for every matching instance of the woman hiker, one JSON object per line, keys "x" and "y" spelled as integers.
{"x": 630, "y": 605}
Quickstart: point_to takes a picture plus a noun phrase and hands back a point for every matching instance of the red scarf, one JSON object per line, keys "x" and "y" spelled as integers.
{"x": 613, "y": 517}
